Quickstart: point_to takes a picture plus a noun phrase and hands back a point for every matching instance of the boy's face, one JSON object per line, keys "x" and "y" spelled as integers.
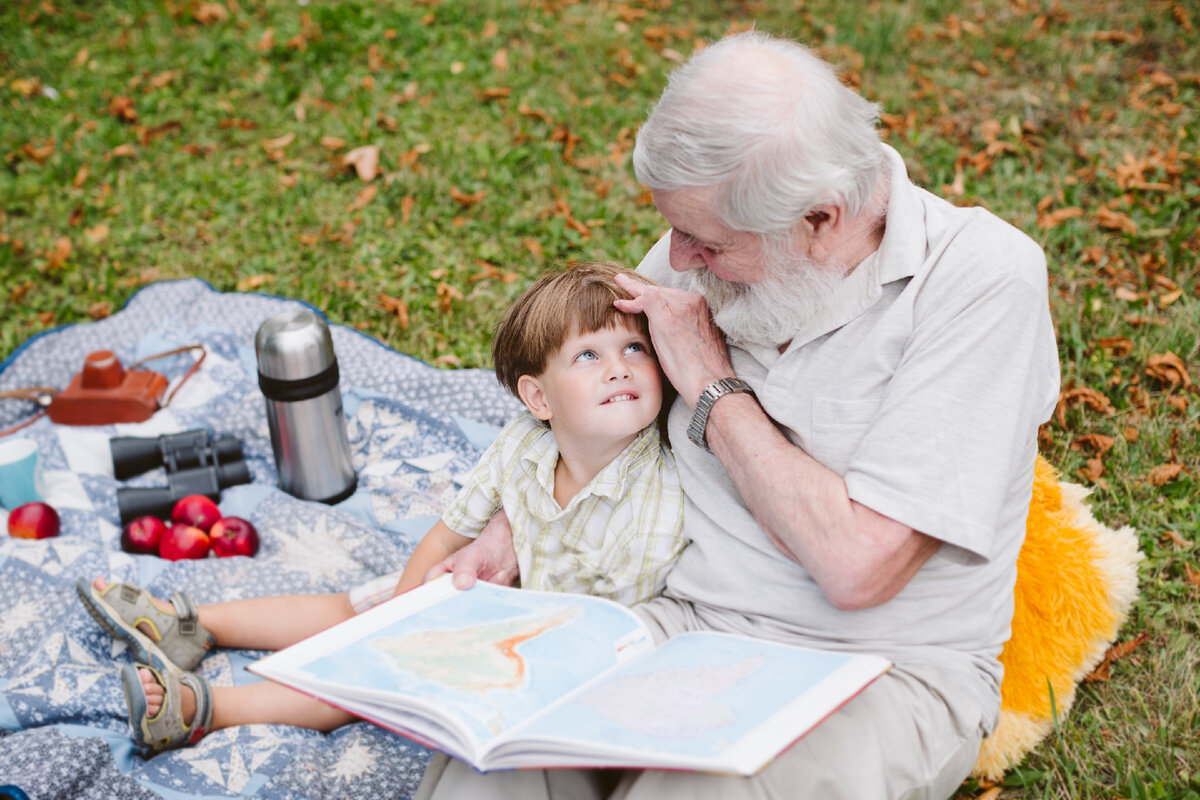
{"x": 604, "y": 385}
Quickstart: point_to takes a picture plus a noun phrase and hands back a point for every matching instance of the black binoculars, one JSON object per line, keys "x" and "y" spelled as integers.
{"x": 195, "y": 464}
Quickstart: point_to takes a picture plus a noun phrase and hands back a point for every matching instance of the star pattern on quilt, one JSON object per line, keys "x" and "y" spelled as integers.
{"x": 319, "y": 549}
{"x": 356, "y": 761}
{"x": 231, "y": 756}
{"x": 64, "y": 672}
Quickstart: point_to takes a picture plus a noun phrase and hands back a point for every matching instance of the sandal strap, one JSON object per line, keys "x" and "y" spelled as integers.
{"x": 186, "y": 611}
{"x": 202, "y": 718}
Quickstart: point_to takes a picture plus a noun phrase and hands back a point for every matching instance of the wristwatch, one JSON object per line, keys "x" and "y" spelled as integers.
{"x": 704, "y": 404}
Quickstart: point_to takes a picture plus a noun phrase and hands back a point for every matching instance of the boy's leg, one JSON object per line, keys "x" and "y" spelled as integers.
{"x": 272, "y": 623}
{"x": 264, "y": 623}
{"x": 262, "y": 703}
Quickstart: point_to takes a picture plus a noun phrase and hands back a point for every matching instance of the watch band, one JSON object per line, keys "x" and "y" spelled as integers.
{"x": 704, "y": 404}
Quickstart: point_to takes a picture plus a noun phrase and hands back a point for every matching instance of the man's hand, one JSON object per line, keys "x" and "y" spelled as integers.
{"x": 689, "y": 347}
{"x": 490, "y": 558}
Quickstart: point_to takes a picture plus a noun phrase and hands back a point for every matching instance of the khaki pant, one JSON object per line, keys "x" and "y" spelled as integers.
{"x": 913, "y": 733}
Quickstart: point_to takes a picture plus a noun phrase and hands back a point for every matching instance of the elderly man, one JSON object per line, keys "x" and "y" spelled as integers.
{"x": 862, "y": 369}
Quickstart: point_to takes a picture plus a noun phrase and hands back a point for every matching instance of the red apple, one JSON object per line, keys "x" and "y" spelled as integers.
{"x": 196, "y": 510}
{"x": 33, "y": 521}
{"x": 233, "y": 536}
{"x": 143, "y": 535}
{"x": 183, "y": 541}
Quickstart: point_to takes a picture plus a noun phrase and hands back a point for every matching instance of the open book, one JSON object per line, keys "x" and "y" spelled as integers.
{"x": 508, "y": 678}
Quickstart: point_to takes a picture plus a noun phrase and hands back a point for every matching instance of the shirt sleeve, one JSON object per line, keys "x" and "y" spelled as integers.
{"x": 479, "y": 498}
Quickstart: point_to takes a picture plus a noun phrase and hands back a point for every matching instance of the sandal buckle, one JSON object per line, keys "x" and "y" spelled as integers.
{"x": 130, "y": 594}
{"x": 187, "y": 627}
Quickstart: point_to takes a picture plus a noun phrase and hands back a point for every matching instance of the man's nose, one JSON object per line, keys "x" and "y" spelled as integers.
{"x": 685, "y": 257}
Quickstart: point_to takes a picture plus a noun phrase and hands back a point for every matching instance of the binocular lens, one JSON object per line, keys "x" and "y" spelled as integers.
{"x": 133, "y": 455}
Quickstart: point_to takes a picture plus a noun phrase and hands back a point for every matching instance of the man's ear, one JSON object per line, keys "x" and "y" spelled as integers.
{"x": 529, "y": 389}
{"x": 823, "y": 224}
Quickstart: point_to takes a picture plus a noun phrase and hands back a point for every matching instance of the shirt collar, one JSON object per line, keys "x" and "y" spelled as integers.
{"x": 613, "y": 481}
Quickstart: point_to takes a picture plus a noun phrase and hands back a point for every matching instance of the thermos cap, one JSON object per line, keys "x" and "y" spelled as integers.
{"x": 294, "y": 345}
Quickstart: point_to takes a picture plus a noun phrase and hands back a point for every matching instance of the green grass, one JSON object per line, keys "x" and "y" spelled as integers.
{"x": 1023, "y": 106}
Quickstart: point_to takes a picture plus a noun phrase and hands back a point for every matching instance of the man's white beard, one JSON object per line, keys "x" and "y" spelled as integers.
{"x": 769, "y": 312}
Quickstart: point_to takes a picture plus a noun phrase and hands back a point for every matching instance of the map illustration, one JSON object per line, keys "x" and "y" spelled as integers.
{"x": 482, "y": 673}
{"x": 695, "y": 696}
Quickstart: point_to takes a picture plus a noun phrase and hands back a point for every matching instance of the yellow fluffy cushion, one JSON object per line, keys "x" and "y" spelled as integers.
{"x": 1076, "y": 580}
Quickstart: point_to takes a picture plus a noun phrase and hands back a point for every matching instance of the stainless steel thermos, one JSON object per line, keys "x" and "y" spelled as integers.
{"x": 298, "y": 375}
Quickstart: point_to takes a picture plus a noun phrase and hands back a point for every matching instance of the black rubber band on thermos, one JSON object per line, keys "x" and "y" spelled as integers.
{"x": 293, "y": 391}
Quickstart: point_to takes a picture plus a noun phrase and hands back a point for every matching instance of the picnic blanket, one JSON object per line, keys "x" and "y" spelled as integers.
{"x": 414, "y": 432}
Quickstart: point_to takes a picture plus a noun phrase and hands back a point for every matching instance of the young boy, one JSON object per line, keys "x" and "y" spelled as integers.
{"x": 589, "y": 488}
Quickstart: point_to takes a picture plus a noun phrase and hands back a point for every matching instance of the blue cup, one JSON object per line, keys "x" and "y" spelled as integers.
{"x": 20, "y": 473}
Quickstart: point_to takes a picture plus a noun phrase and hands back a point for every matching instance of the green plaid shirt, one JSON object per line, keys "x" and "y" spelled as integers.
{"x": 617, "y": 538}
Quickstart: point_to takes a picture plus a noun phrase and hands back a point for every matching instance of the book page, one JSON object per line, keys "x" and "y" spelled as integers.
{"x": 704, "y": 701}
{"x": 485, "y": 659}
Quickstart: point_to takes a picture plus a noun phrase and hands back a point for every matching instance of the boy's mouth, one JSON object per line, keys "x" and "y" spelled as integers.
{"x": 620, "y": 398}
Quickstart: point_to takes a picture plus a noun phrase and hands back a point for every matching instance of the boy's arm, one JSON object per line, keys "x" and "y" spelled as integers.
{"x": 436, "y": 546}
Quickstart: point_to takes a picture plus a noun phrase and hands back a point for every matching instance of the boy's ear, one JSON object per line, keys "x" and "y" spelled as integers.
{"x": 529, "y": 389}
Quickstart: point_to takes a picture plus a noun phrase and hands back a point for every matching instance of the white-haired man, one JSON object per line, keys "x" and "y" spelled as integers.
{"x": 862, "y": 369}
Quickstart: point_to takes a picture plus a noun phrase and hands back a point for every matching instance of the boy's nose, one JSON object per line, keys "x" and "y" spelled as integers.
{"x": 617, "y": 370}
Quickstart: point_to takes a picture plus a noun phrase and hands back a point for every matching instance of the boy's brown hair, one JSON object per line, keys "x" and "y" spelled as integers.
{"x": 561, "y": 303}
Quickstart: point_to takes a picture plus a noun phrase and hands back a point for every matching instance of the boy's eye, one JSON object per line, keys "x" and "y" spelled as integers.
{"x": 636, "y": 347}
{"x": 586, "y": 355}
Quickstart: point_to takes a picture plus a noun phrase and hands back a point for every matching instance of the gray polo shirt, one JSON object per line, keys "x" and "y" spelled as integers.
{"x": 924, "y": 392}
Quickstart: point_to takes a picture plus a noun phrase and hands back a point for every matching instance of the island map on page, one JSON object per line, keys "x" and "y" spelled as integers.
{"x": 481, "y": 672}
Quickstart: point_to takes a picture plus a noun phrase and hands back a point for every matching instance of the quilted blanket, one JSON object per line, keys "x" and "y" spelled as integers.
{"x": 414, "y": 432}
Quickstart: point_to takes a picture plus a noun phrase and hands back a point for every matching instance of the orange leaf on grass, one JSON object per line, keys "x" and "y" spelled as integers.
{"x": 364, "y": 197}
{"x": 57, "y": 256}
{"x": 365, "y": 161}
{"x": 208, "y": 13}
{"x": 1055, "y": 218}
{"x": 1168, "y": 369}
{"x": 1115, "y": 345}
{"x": 1164, "y": 474}
{"x": 500, "y": 60}
{"x": 333, "y": 142}
{"x": 466, "y": 200}
{"x": 96, "y": 234}
{"x": 1174, "y": 538}
{"x": 121, "y": 151}
{"x": 1115, "y": 220}
{"x": 446, "y": 295}
{"x": 1114, "y": 654}
{"x": 1097, "y": 442}
{"x": 252, "y": 282}
{"x": 396, "y": 307}
{"x": 1074, "y": 395}
{"x": 406, "y": 207}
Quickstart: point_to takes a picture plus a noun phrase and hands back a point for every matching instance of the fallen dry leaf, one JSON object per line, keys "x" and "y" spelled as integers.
{"x": 1114, "y": 654}
{"x": 1115, "y": 345}
{"x": 1055, "y": 218}
{"x": 1093, "y": 399}
{"x": 500, "y": 60}
{"x": 490, "y": 29}
{"x": 97, "y": 234}
{"x": 1193, "y": 577}
{"x": 1115, "y": 220}
{"x": 397, "y": 307}
{"x": 1097, "y": 442}
{"x": 279, "y": 143}
{"x": 208, "y": 13}
{"x": 121, "y": 151}
{"x": 406, "y": 207}
{"x": 252, "y": 282}
{"x": 100, "y": 310}
{"x": 122, "y": 108}
{"x": 466, "y": 200}
{"x": 363, "y": 199}
{"x": 446, "y": 295}
{"x": 1174, "y": 538}
{"x": 81, "y": 177}
{"x": 57, "y": 256}
{"x": 1169, "y": 369}
{"x": 333, "y": 142}
{"x": 266, "y": 42}
{"x": 1164, "y": 474}
{"x": 365, "y": 161}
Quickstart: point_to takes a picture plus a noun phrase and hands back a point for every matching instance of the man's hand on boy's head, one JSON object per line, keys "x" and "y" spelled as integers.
{"x": 689, "y": 347}
{"x": 490, "y": 558}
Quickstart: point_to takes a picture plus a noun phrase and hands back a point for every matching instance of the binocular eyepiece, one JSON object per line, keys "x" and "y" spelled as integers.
{"x": 195, "y": 464}
{"x": 133, "y": 455}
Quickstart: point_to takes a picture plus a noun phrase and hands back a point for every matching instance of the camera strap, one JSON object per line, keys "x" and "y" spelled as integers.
{"x": 43, "y": 395}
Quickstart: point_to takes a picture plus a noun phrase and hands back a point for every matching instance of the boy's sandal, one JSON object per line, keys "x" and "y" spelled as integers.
{"x": 178, "y": 642}
{"x": 165, "y": 730}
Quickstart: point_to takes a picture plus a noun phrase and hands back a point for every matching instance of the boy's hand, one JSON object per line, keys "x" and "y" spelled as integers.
{"x": 490, "y": 558}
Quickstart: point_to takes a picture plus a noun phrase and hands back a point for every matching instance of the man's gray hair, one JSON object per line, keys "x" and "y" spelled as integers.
{"x": 769, "y": 127}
